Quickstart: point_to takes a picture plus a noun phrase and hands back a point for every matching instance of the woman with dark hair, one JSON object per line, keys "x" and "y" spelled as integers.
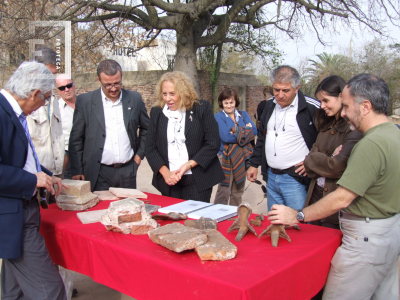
{"x": 237, "y": 131}
{"x": 182, "y": 142}
{"x": 327, "y": 159}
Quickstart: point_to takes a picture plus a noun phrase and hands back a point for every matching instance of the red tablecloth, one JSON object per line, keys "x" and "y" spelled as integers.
{"x": 136, "y": 266}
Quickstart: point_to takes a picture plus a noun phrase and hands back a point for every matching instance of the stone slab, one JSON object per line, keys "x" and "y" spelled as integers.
{"x": 177, "y": 237}
{"x": 77, "y": 196}
{"x": 89, "y": 217}
{"x": 217, "y": 247}
{"x": 78, "y": 207}
{"x": 76, "y": 187}
{"x": 124, "y": 193}
{"x": 106, "y": 195}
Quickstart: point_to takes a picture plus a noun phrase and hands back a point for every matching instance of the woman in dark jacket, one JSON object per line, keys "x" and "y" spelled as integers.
{"x": 183, "y": 141}
{"x": 327, "y": 159}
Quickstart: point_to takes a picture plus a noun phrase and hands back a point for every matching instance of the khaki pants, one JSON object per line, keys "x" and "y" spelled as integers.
{"x": 365, "y": 266}
{"x": 231, "y": 194}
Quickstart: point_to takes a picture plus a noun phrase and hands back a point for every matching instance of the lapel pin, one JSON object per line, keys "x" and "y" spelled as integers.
{"x": 129, "y": 108}
{"x": 190, "y": 117}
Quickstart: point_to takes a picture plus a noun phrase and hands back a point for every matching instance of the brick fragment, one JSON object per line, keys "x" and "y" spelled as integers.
{"x": 177, "y": 237}
{"x": 217, "y": 247}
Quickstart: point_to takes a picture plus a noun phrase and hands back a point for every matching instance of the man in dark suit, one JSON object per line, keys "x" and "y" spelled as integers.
{"x": 27, "y": 270}
{"x": 107, "y": 140}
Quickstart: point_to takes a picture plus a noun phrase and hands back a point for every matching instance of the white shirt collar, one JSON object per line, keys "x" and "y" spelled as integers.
{"x": 63, "y": 103}
{"x": 105, "y": 99}
{"x": 14, "y": 104}
{"x": 293, "y": 104}
{"x": 237, "y": 115}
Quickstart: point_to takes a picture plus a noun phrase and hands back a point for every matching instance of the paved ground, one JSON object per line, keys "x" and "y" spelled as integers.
{"x": 90, "y": 290}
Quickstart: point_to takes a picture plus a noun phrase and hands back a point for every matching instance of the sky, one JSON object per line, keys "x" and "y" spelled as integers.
{"x": 309, "y": 46}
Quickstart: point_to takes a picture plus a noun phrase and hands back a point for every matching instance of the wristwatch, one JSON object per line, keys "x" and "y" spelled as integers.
{"x": 300, "y": 216}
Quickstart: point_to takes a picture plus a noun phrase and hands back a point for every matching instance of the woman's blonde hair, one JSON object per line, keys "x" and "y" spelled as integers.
{"x": 183, "y": 88}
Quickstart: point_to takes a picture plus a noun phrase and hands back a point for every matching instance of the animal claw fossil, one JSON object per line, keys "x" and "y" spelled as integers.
{"x": 277, "y": 231}
{"x": 170, "y": 216}
{"x": 242, "y": 222}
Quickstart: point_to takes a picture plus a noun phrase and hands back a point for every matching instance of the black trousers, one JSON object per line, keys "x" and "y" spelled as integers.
{"x": 67, "y": 171}
{"x": 123, "y": 177}
{"x": 186, "y": 189}
{"x": 317, "y": 195}
{"x": 33, "y": 275}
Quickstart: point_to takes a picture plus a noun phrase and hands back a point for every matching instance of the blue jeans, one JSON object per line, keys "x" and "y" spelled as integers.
{"x": 284, "y": 189}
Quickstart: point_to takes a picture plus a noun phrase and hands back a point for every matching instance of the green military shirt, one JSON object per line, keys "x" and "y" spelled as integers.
{"x": 373, "y": 173}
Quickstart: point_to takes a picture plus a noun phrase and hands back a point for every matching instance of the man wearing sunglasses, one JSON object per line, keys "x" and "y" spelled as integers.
{"x": 107, "y": 141}
{"x": 45, "y": 124}
{"x": 66, "y": 90}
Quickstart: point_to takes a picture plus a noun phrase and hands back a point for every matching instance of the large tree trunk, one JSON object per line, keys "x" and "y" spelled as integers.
{"x": 185, "y": 60}
{"x": 215, "y": 82}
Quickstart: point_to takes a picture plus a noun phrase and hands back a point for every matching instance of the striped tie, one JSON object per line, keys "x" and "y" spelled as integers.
{"x": 22, "y": 119}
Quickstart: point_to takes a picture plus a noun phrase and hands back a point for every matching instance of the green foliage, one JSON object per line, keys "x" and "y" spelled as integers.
{"x": 373, "y": 57}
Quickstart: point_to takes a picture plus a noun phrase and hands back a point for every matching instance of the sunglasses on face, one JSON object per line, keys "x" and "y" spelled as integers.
{"x": 69, "y": 85}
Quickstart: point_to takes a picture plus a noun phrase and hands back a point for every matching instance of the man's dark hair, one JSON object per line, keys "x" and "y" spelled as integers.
{"x": 372, "y": 88}
{"x": 109, "y": 67}
{"x": 48, "y": 56}
{"x": 226, "y": 94}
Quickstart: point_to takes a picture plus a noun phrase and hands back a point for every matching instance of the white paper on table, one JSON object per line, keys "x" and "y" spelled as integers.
{"x": 218, "y": 212}
{"x": 184, "y": 207}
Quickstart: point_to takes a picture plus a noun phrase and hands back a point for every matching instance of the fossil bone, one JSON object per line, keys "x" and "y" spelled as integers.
{"x": 258, "y": 220}
{"x": 170, "y": 216}
{"x": 277, "y": 231}
{"x": 242, "y": 222}
{"x": 202, "y": 223}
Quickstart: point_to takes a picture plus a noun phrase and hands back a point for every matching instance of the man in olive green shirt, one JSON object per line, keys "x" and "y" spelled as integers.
{"x": 365, "y": 266}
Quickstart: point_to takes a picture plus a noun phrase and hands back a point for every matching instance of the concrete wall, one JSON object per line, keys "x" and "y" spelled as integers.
{"x": 248, "y": 86}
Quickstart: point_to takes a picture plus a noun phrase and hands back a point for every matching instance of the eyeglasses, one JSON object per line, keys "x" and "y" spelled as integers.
{"x": 69, "y": 86}
{"x": 46, "y": 100}
{"x": 110, "y": 86}
{"x": 264, "y": 189}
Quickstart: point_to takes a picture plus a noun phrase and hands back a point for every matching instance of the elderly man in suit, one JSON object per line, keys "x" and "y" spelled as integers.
{"x": 27, "y": 270}
{"x": 107, "y": 140}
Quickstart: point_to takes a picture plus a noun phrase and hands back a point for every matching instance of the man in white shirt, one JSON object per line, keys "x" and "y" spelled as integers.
{"x": 27, "y": 271}
{"x": 285, "y": 137}
{"x": 107, "y": 141}
{"x": 45, "y": 124}
{"x": 66, "y": 89}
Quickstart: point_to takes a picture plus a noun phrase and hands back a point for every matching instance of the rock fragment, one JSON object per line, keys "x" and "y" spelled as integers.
{"x": 217, "y": 247}
{"x": 124, "y": 214}
{"x": 177, "y": 237}
{"x": 77, "y": 196}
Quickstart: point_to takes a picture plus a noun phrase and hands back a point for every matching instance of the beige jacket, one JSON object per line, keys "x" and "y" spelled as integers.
{"x": 48, "y": 137}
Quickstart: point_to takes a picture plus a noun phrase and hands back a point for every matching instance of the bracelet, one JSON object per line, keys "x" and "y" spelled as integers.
{"x": 190, "y": 165}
